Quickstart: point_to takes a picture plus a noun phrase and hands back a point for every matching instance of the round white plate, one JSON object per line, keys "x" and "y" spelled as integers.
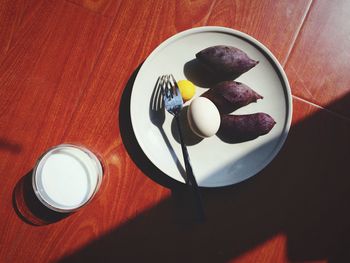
{"x": 215, "y": 163}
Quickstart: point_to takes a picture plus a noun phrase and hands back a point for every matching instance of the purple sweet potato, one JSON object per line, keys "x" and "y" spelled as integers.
{"x": 240, "y": 128}
{"x": 225, "y": 61}
{"x": 231, "y": 95}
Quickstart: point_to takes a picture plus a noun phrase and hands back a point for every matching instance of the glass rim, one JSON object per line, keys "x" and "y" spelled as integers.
{"x": 40, "y": 161}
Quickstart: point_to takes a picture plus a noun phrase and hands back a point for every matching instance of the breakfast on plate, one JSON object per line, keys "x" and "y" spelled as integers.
{"x": 230, "y": 95}
{"x": 210, "y": 113}
{"x": 226, "y": 62}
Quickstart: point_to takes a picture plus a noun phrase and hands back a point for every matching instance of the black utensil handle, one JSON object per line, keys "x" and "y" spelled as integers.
{"x": 190, "y": 175}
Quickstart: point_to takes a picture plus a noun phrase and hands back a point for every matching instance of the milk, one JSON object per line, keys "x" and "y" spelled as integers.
{"x": 67, "y": 177}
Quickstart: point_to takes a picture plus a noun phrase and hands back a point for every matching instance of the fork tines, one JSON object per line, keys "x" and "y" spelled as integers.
{"x": 169, "y": 86}
{"x": 156, "y": 98}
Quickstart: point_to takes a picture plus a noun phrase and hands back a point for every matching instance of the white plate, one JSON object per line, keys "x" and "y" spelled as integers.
{"x": 214, "y": 162}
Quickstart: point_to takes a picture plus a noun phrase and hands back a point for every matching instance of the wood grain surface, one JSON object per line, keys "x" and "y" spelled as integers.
{"x": 321, "y": 55}
{"x": 66, "y": 74}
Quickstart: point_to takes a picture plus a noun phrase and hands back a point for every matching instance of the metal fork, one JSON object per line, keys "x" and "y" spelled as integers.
{"x": 157, "y": 116}
{"x": 173, "y": 103}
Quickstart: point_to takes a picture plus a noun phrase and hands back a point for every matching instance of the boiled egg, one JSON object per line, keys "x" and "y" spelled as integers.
{"x": 203, "y": 117}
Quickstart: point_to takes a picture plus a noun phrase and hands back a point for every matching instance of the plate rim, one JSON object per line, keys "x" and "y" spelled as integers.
{"x": 253, "y": 41}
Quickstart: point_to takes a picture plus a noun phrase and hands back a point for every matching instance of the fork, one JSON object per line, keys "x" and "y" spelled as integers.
{"x": 157, "y": 116}
{"x": 173, "y": 103}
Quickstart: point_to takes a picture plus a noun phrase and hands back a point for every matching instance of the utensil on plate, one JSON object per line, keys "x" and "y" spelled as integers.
{"x": 157, "y": 116}
{"x": 173, "y": 104}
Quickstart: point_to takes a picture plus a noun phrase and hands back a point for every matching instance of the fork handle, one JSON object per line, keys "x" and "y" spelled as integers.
{"x": 190, "y": 175}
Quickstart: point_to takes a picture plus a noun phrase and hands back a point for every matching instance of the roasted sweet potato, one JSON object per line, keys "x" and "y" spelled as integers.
{"x": 225, "y": 61}
{"x": 240, "y": 128}
{"x": 231, "y": 95}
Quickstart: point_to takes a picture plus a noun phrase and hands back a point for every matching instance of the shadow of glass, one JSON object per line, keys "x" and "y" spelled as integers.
{"x": 28, "y": 207}
{"x": 303, "y": 193}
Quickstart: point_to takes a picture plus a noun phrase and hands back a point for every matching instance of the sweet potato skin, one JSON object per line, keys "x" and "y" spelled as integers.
{"x": 226, "y": 62}
{"x": 230, "y": 95}
{"x": 240, "y": 128}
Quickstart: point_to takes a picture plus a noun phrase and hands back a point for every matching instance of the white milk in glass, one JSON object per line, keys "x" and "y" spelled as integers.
{"x": 67, "y": 177}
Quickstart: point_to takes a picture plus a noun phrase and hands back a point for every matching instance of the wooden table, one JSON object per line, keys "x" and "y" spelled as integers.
{"x": 66, "y": 72}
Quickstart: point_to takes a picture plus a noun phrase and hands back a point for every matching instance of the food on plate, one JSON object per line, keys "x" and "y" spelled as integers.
{"x": 209, "y": 114}
{"x": 187, "y": 89}
{"x": 226, "y": 62}
{"x": 203, "y": 117}
{"x": 239, "y": 128}
{"x": 231, "y": 95}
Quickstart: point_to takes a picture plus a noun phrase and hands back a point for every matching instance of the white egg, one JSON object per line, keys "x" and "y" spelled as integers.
{"x": 203, "y": 117}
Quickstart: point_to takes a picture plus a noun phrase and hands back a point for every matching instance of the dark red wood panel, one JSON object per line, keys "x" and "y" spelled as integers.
{"x": 319, "y": 64}
{"x": 15, "y": 16}
{"x": 43, "y": 75}
{"x": 104, "y": 7}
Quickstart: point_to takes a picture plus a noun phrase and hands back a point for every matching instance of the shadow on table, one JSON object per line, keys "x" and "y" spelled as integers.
{"x": 28, "y": 207}
{"x": 303, "y": 194}
{"x": 10, "y": 146}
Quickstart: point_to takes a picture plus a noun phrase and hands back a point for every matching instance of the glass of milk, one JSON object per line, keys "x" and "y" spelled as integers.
{"x": 67, "y": 177}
